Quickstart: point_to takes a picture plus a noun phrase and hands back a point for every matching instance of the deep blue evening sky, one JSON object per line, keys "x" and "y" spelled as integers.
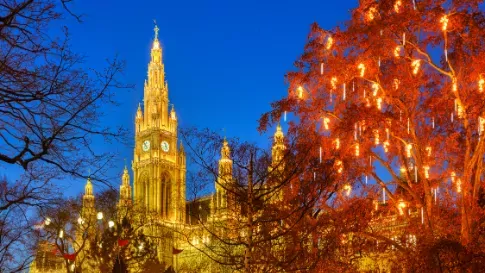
{"x": 225, "y": 60}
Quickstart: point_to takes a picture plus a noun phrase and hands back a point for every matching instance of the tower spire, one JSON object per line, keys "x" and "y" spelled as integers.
{"x": 156, "y": 29}
{"x": 88, "y": 200}
{"x": 88, "y": 189}
{"x": 278, "y": 146}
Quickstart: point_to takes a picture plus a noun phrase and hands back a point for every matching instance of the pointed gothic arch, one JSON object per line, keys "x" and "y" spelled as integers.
{"x": 166, "y": 194}
{"x": 141, "y": 191}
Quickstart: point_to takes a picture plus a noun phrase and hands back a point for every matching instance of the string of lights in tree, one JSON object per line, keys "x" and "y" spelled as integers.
{"x": 395, "y": 111}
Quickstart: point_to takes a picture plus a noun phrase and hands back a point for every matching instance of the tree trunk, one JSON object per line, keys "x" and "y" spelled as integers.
{"x": 247, "y": 262}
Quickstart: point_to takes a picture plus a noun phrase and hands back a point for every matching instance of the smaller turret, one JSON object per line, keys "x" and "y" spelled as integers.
{"x": 278, "y": 149}
{"x": 125, "y": 188}
{"x": 173, "y": 116}
{"x": 172, "y": 120}
{"x": 87, "y": 224}
{"x": 125, "y": 201}
{"x": 139, "y": 119}
{"x": 224, "y": 179}
{"x": 182, "y": 157}
{"x": 88, "y": 211}
{"x": 277, "y": 166}
{"x": 139, "y": 113}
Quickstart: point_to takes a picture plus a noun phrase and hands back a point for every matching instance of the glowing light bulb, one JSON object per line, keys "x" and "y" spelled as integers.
{"x": 386, "y": 146}
{"x": 99, "y": 216}
{"x": 111, "y": 224}
{"x": 61, "y": 233}
{"x": 326, "y": 122}
{"x": 397, "y": 51}
{"x": 455, "y": 87}
{"x": 397, "y": 6}
{"x": 362, "y": 69}
{"x": 453, "y": 176}
{"x": 387, "y": 133}
{"x": 337, "y": 143}
{"x": 481, "y": 84}
{"x": 426, "y": 171}
{"x": 339, "y": 166}
{"x": 300, "y": 92}
{"x": 329, "y": 42}
{"x": 416, "y": 64}
{"x": 401, "y": 206}
{"x": 396, "y": 84}
{"x": 458, "y": 185}
{"x": 375, "y": 89}
{"x": 444, "y": 22}
{"x": 459, "y": 108}
{"x": 408, "y": 150}
{"x": 428, "y": 150}
{"x": 357, "y": 149}
{"x": 333, "y": 82}
{"x": 347, "y": 189}
{"x": 402, "y": 169}
{"x": 47, "y": 221}
{"x": 371, "y": 14}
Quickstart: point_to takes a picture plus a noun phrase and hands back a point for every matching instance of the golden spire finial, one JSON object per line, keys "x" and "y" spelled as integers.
{"x": 156, "y": 29}
{"x": 156, "y": 43}
{"x": 224, "y": 132}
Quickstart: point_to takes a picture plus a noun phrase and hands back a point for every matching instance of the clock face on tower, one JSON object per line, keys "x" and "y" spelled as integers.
{"x": 146, "y": 145}
{"x": 165, "y": 146}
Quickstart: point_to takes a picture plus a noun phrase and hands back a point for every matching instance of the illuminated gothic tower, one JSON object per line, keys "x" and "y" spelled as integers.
{"x": 278, "y": 149}
{"x": 222, "y": 198}
{"x": 125, "y": 202}
{"x": 159, "y": 165}
{"x": 87, "y": 226}
{"x": 277, "y": 166}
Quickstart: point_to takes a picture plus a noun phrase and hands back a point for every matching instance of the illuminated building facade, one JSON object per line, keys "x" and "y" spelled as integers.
{"x": 159, "y": 184}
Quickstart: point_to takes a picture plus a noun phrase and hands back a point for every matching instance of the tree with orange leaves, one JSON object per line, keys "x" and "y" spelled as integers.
{"x": 396, "y": 99}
